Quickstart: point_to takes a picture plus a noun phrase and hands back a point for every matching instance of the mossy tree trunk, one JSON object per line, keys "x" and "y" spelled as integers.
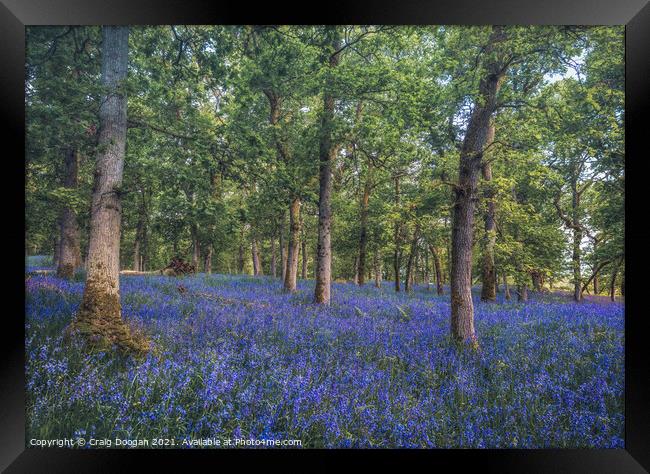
{"x": 99, "y": 319}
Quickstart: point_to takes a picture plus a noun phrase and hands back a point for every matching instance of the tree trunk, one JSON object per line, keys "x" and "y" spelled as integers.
{"x": 57, "y": 245}
{"x": 241, "y": 258}
{"x": 411, "y": 260}
{"x": 294, "y": 245}
{"x": 363, "y": 235}
{"x": 506, "y": 288}
{"x": 196, "y": 249}
{"x": 612, "y": 283}
{"x": 577, "y": 240}
{"x": 462, "y": 308}
{"x": 274, "y": 257}
{"x": 522, "y": 293}
{"x": 427, "y": 277}
{"x": 377, "y": 269}
{"x": 536, "y": 278}
{"x": 397, "y": 240}
{"x": 623, "y": 283}
{"x": 304, "y": 257}
{"x": 437, "y": 269}
{"x": 207, "y": 263}
{"x": 69, "y": 248}
{"x": 136, "y": 254}
{"x": 99, "y": 318}
{"x": 257, "y": 266}
{"x": 327, "y": 155}
{"x": 283, "y": 251}
{"x": 489, "y": 278}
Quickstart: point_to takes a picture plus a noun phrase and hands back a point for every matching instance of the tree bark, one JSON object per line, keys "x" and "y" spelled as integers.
{"x": 506, "y": 288}
{"x": 536, "y": 278}
{"x": 397, "y": 255}
{"x": 305, "y": 257}
{"x": 257, "y": 264}
{"x": 363, "y": 235}
{"x": 99, "y": 319}
{"x": 240, "y": 259}
{"x": 577, "y": 240}
{"x": 274, "y": 271}
{"x": 438, "y": 271}
{"x": 136, "y": 253}
{"x": 411, "y": 260}
{"x": 283, "y": 252}
{"x": 377, "y": 269}
{"x": 294, "y": 245}
{"x": 57, "y": 245}
{"x": 489, "y": 277}
{"x": 462, "y": 308}
{"x": 196, "y": 248}
{"x": 327, "y": 156}
{"x": 69, "y": 250}
{"x": 207, "y": 263}
{"x": 522, "y": 293}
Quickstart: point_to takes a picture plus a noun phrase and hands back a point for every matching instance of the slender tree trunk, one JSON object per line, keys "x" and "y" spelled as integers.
{"x": 489, "y": 278}
{"x": 377, "y": 269}
{"x": 411, "y": 260}
{"x": 99, "y": 318}
{"x": 506, "y": 288}
{"x": 257, "y": 264}
{"x": 305, "y": 257}
{"x": 577, "y": 240}
{"x": 623, "y": 283}
{"x": 57, "y": 245}
{"x": 196, "y": 249}
{"x": 136, "y": 254}
{"x": 69, "y": 250}
{"x": 207, "y": 262}
{"x": 274, "y": 257}
{"x": 327, "y": 155}
{"x": 241, "y": 258}
{"x": 363, "y": 236}
{"x": 283, "y": 252}
{"x": 462, "y": 308}
{"x": 294, "y": 245}
{"x": 397, "y": 240}
{"x": 436, "y": 266}
{"x": 612, "y": 283}
{"x": 427, "y": 277}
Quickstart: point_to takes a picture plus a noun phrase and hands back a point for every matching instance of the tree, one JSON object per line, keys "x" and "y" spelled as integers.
{"x": 99, "y": 319}
{"x": 327, "y": 154}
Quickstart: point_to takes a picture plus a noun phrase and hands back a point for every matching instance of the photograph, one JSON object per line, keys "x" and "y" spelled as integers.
{"x": 325, "y": 236}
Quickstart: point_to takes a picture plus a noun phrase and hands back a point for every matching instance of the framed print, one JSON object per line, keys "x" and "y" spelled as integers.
{"x": 374, "y": 232}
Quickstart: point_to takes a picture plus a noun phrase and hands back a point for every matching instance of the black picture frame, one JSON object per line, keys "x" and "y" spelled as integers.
{"x": 635, "y": 14}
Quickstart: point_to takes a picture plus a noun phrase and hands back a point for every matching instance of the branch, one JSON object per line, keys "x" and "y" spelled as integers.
{"x": 595, "y": 272}
{"x": 136, "y": 123}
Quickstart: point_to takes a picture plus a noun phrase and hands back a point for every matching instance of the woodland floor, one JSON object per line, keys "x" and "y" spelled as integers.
{"x": 235, "y": 357}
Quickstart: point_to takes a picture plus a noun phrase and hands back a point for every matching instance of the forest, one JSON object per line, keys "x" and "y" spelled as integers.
{"x": 355, "y": 236}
